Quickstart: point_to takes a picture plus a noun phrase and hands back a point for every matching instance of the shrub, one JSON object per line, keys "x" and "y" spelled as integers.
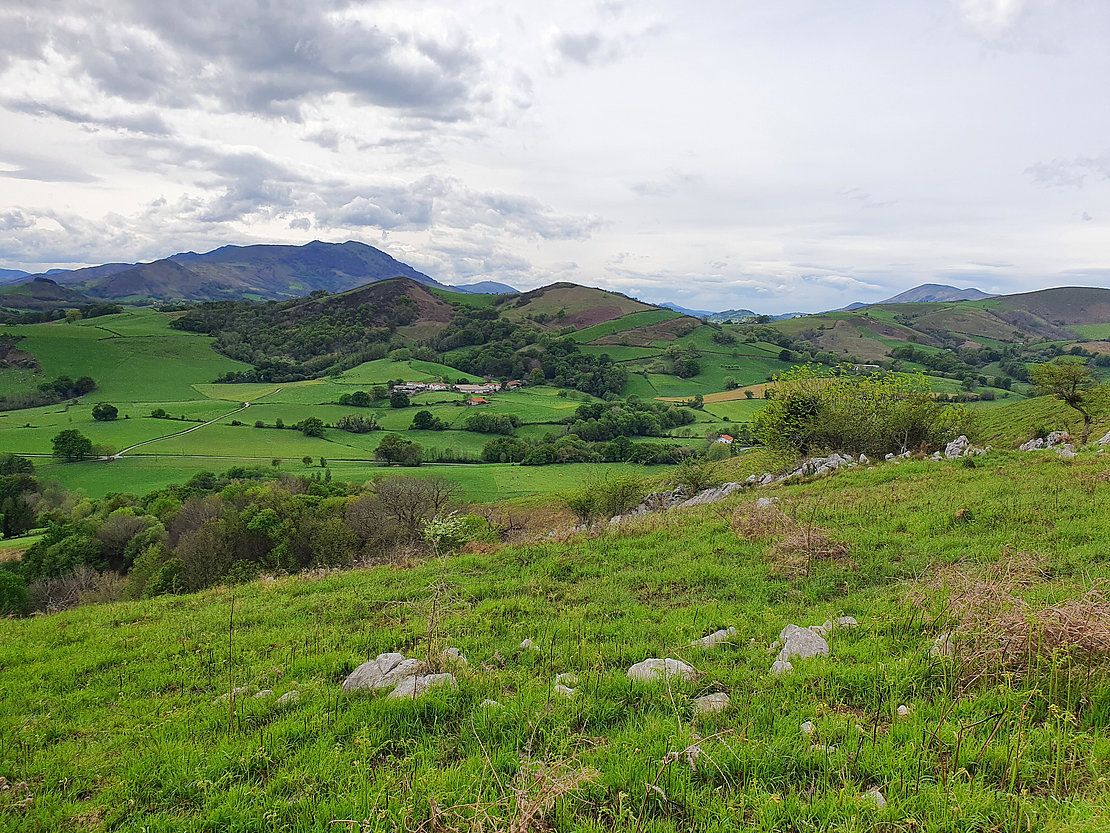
{"x": 357, "y": 424}
{"x": 103, "y": 412}
{"x": 13, "y": 595}
{"x": 487, "y": 423}
{"x": 605, "y": 497}
{"x": 811, "y": 409}
{"x": 694, "y": 475}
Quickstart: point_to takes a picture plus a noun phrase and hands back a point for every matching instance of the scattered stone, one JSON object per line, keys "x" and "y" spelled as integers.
{"x": 262, "y": 695}
{"x": 863, "y": 460}
{"x": 820, "y": 747}
{"x": 821, "y": 630}
{"x": 781, "y": 667}
{"x": 385, "y": 671}
{"x": 716, "y": 638}
{"x": 801, "y": 643}
{"x": 453, "y": 655}
{"x": 413, "y": 687}
{"x": 808, "y": 728}
{"x": 527, "y": 645}
{"x": 875, "y": 797}
{"x": 489, "y": 704}
{"x": 903, "y": 711}
{"x": 846, "y": 622}
{"x": 766, "y": 502}
{"x": 1066, "y": 451}
{"x": 889, "y": 457}
{"x": 289, "y": 697}
{"x": 942, "y": 646}
{"x": 1032, "y": 445}
{"x": 567, "y": 678}
{"x": 711, "y": 703}
{"x": 957, "y": 448}
{"x": 563, "y": 690}
{"x": 1105, "y": 440}
{"x": 773, "y": 648}
{"x": 1056, "y": 438}
{"x": 651, "y": 669}
{"x": 223, "y": 698}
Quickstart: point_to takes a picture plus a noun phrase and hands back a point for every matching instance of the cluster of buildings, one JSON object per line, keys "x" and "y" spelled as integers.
{"x": 475, "y": 392}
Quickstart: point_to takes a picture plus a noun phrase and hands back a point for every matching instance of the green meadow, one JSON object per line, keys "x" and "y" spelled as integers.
{"x": 113, "y": 716}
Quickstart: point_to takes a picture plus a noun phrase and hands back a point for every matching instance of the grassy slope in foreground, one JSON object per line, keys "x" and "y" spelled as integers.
{"x": 109, "y": 712}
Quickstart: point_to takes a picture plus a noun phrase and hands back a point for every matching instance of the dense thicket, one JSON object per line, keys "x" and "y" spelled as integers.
{"x": 215, "y": 529}
{"x": 812, "y": 409}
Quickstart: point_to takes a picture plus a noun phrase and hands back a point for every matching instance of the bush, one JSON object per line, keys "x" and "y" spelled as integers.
{"x": 487, "y": 423}
{"x": 103, "y": 412}
{"x": 505, "y": 450}
{"x": 605, "y": 498}
{"x": 811, "y": 410}
{"x": 13, "y": 595}
{"x": 694, "y": 475}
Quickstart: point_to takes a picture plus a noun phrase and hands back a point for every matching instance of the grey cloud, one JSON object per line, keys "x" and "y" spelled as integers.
{"x": 263, "y": 57}
{"x": 148, "y": 122}
{"x": 1065, "y": 173}
{"x": 42, "y": 168}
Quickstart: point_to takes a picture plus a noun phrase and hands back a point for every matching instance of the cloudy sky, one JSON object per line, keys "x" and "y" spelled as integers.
{"x": 786, "y": 155}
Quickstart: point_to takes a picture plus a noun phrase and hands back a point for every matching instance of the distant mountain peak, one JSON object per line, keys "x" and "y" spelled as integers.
{"x": 936, "y": 292}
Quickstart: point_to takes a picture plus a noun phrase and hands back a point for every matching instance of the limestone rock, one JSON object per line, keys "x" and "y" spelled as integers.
{"x": 384, "y": 671}
{"x": 289, "y": 697}
{"x": 1032, "y": 445}
{"x": 808, "y": 728}
{"x": 453, "y": 655}
{"x": 876, "y": 798}
{"x": 1056, "y": 438}
{"x": 1105, "y": 440}
{"x": 711, "y": 703}
{"x": 903, "y": 711}
{"x": 957, "y": 448}
{"x": 489, "y": 704}
{"x": 567, "y": 678}
{"x": 942, "y": 646}
{"x": 563, "y": 690}
{"x": 262, "y": 695}
{"x": 801, "y": 643}
{"x": 781, "y": 667}
{"x": 527, "y": 644}
{"x": 413, "y": 687}
{"x": 715, "y": 638}
{"x": 845, "y": 622}
{"x": 655, "y": 668}
{"x": 766, "y": 502}
{"x": 1066, "y": 451}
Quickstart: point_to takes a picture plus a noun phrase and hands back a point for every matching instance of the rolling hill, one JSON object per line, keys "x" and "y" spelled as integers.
{"x": 40, "y": 294}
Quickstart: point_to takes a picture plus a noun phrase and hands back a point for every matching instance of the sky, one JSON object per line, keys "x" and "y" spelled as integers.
{"x": 794, "y": 155}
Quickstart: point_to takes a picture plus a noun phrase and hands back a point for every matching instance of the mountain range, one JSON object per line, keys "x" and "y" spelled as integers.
{"x": 262, "y": 272}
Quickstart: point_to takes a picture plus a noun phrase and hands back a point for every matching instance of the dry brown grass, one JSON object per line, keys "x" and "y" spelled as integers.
{"x": 797, "y": 547}
{"x": 995, "y": 630}
{"x": 524, "y": 806}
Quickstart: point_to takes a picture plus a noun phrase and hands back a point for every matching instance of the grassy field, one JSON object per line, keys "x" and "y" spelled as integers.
{"x": 112, "y": 713}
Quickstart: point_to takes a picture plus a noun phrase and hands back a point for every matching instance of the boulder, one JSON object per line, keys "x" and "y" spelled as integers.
{"x": 711, "y": 703}
{"x": 766, "y": 502}
{"x": 1056, "y": 438}
{"x": 715, "y": 638}
{"x": 1105, "y": 440}
{"x": 957, "y": 448}
{"x": 384, "y": 671}
{"x": 289, "y": 697}
{"x": 413, "y": 687}
{"x": 1032, "y": 445}
{"x": 876, "y": 798}
{"x": 801, "y": 643}
{"x": 780, "y": 667}
{"x": 651, "y": 669}
{"x": 1066, "y": 451}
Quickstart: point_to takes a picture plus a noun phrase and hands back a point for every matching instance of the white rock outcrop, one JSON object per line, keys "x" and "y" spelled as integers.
{"x": 653, "y": 669}
{"x": 711, "y": 703}
{"x": 722, "y": 636}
